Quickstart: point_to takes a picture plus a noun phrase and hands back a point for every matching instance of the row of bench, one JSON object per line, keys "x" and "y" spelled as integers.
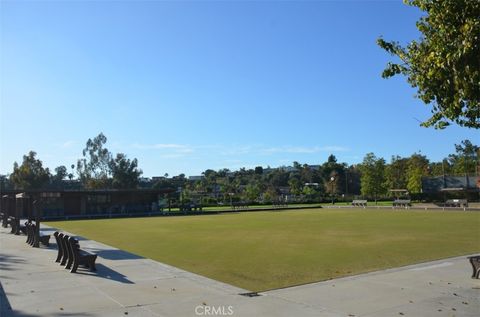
{"x": 359, "y": 203}
{"x": 402, "y": 203}
{"x": 396, "y": 203}
{"x": 456, "y": 203}
{"x": 240, "y": 205}
{"x": 70, "y": 255}
{"x": 33, "y": 238}
{"x": 463, "y": 203}
{"x": 280, "y": 204}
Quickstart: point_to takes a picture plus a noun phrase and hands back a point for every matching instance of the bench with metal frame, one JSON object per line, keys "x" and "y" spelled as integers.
{"x": 70, "y": 255}
{"x": 359, "y": 203}
{"x": 34, "y": 237}
{"x": 456, "y": 203}
{"x": 79, "y": 257}
{"x": 239, "y": 205}
{"x": 475, "y": 262}
{"x": 405, "y": 203}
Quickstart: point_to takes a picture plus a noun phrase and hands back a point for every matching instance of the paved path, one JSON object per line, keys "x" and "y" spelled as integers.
{"x": 125, "y": 284}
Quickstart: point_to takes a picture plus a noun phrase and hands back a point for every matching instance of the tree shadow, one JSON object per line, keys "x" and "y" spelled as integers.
{"x": 7, "y": 261}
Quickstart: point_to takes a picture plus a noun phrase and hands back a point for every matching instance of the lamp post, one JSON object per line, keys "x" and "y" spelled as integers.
{"x": 443, "y": 173}
{"x": 332, "y": 179}
{"x": 346, "y": 183}
{"x": 231, "y": 196}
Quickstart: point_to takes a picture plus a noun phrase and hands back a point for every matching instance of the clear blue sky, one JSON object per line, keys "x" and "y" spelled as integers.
{"x": 186, "y": 86}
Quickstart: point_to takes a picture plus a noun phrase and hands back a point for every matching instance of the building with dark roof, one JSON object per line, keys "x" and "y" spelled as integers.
{"x": 65, "y": 204}
{"x": 452, "y": 187}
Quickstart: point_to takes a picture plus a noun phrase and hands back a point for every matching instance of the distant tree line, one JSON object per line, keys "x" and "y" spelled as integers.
{"x": 98, "y": 168}
{"x": 373, "y": 178}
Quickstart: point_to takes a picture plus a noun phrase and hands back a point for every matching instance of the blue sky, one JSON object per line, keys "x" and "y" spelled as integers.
{"x": 190, "y": 85}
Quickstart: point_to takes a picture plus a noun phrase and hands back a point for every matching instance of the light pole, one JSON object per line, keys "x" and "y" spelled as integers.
{"x": 231, "y": 196}
{"x": 332, "y": 179}
{"x": 346, "y": 183}
{"x": 443, "y": 172}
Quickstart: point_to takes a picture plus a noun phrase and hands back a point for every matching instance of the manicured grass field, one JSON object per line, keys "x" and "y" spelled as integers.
{"x": 264, "y": 250}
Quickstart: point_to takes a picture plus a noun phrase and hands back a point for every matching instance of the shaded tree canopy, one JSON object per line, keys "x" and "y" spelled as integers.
{"x": 31, "y": 174}
{"x": 99, "y": 169}
{"x": 94, "y": 168}
{"x": 444, "y": 64}
{"x": 466, "y": 159}
{"x": 125, "y": 172}
{"x": 396, "y": 173}
{"x": 373, "y": 176}
{"x": 417, "y": 167}
{"x": 60, "y": 173}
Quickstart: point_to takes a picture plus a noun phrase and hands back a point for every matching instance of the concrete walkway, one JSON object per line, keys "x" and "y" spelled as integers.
{"x": 125, "y": 284}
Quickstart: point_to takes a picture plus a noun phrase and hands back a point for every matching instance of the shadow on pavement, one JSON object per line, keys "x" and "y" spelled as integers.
{"x": 107, "y": 273}
{"x": 6, "y": 309}
{"x": 7, "y": 261}
{"x": 115, "y": 254}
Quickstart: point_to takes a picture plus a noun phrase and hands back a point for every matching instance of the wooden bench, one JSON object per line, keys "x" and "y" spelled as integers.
{"x": 359, "y": 203}
{"x": 4, "y": 217}
{"x": 239, "y": 205}
{"x": 11, "y": 222}
{"x": 63, "y": 238}
{"x": 30, "y": 233}
{"x": 7, "y": 222}
{"x": 65, "y": 253}
{"x": 475, "y": 262}
{"x": 23, "y": 228}
{"x": 456, "y": 203}
{"x": 33, "y": 238}
{"x": 80, "y": 257}
{"x": 190, "y": 207}
{"x": 402, "y": 203}
{"x": 61, "y": 251}
{"x": 17, "y": 227}
{"x": 279, "y": 204}
{"x": 39, "y": 237}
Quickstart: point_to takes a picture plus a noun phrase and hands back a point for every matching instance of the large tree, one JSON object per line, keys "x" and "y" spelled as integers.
{"x": 31, "y": 174}
{"x": 373, "y": 176}
{"x": 417, "y": 167}
{"x": 466, "y": 159}
{"x": 94, "y": 168}
{"x": 396, "y": 173}
{"x": 125, "y": 172}
{"x": 60, "y": 173}
{"x": 444, "y": 64}
{"x": 252, "y": 191}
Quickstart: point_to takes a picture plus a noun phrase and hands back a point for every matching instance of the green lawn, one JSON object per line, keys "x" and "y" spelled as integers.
{"x": 265, "y": 250}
